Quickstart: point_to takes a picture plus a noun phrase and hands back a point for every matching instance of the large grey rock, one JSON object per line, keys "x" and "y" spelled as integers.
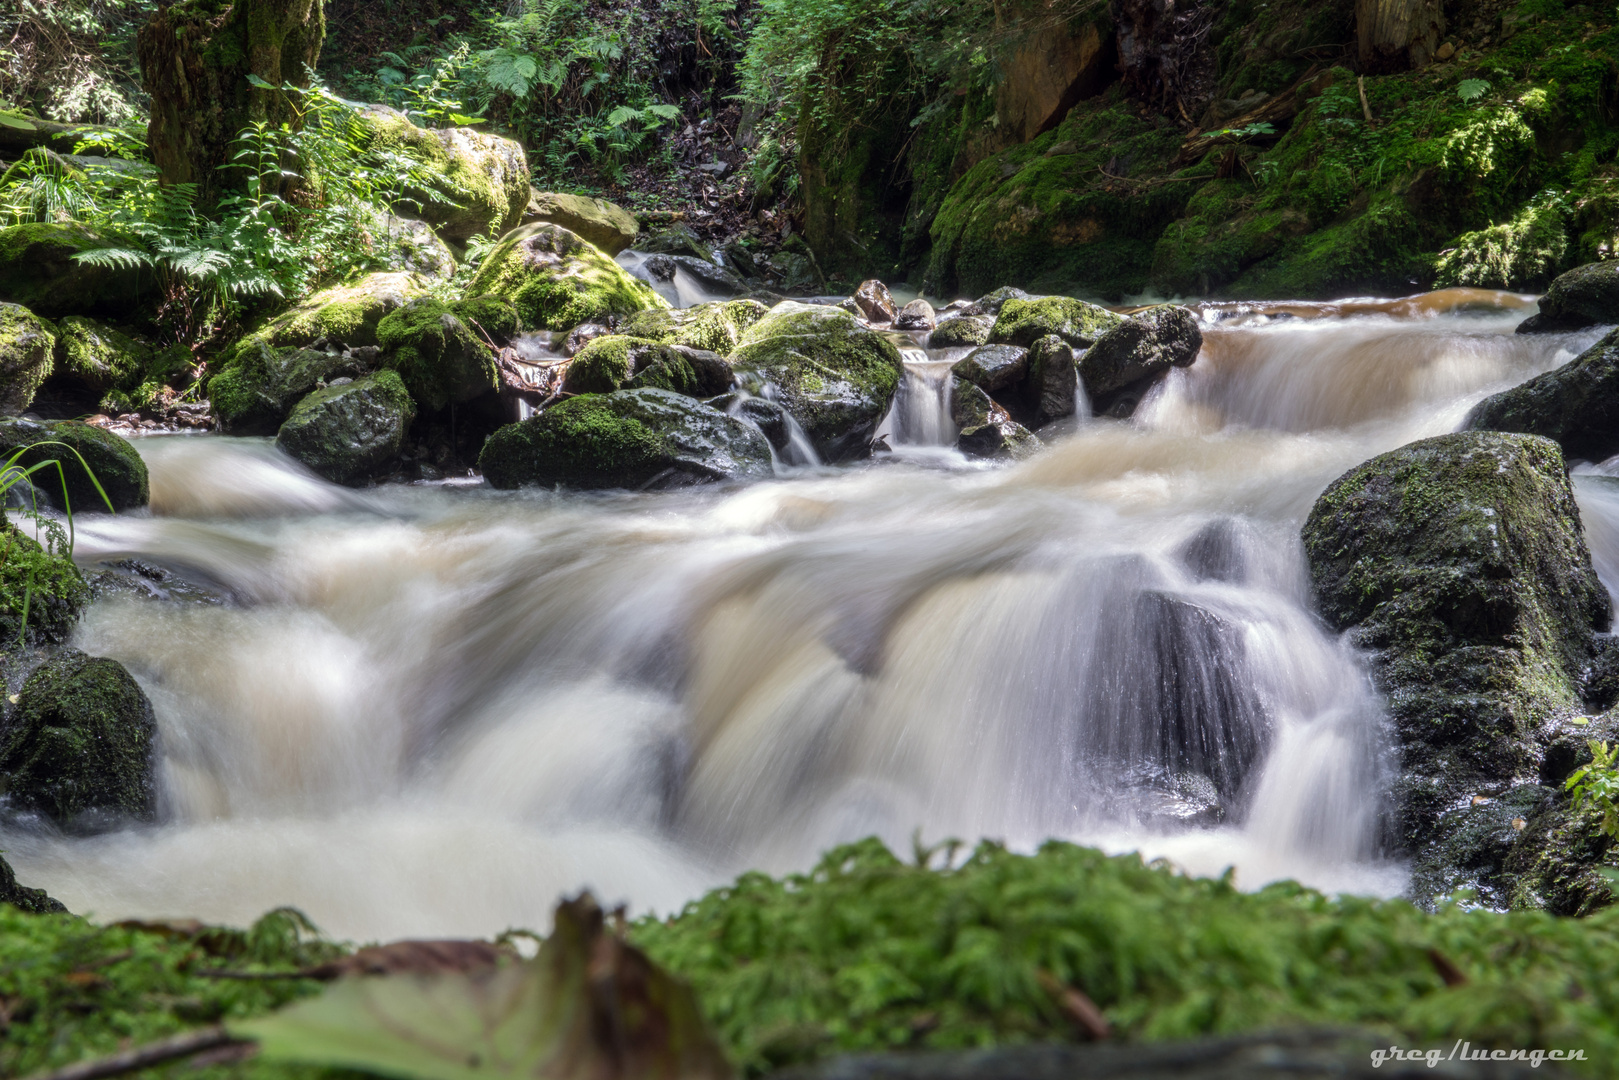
{"x": 961, "y": 332}
{"x": 1139, "y": 349}
{"x": 1053, "y": 379}
{"x": 630, "y": 439}
{"x": 993, "y": 367}
{"x": 1586, "y": 296}
{"x": 1577, "y": 405}
{"x": 352, "y": 431}
{"x": 604, "y": 224}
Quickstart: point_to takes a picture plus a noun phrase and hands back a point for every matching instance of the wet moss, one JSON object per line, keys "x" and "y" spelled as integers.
{"x": 440, "y": 358}
{"x": 1023, "y": 322}
{"x": 44, "y": 584}
{"x": 38, "y": 270}
{"x": 479, "y": 182}
{"x": 27, "y": 343}
{"x": 556, "y": 281}
{"x": 615, "y": 362}
{"x": 112, "y": 461}
{"x": 97, "y": 357}
{"x": 717, "y": 326}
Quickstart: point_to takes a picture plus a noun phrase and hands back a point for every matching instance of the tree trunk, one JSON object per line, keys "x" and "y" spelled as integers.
{"x": 196, "y": 57}
{"x": 1396, "y": 35}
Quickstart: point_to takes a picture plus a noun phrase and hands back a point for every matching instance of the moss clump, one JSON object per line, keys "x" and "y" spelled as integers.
{"x": 26, "y": 346}
{"x": 614, "y": 362}
{"x": 1023, "y": 322}
{"x": 967, "y": 331}
{"x": 630, "y": 439}
{"x": 342, "y": 315}
{"x": 488, "y": 315}
{"x": 99, "y": 358}
{"x": 39, "y": 271}
{"x": 78, "y": 749}
{"x": 440, "y": 358}
{"x": 1524, "y": 252}
{"x": 47, "y": 585}
{"x": 835, "y": 378}
{"x": 557, "y": 281}
{"x": 717, "y": 326}
{"x": 479, "y": 181}
{"x": 352, "y": 432}
{"x": 112, "y": 460}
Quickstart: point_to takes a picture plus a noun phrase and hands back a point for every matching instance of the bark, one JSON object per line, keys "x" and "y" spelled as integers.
{"x": 1396, "y": 35}
{"x": 196, "y": 57}
{"x": 1166, "y": 55}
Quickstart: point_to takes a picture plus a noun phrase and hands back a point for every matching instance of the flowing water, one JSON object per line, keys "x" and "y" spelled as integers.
{"x": 431, "y": 709}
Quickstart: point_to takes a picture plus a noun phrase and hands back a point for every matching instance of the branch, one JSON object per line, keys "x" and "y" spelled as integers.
{"x": 144, "y": 1057}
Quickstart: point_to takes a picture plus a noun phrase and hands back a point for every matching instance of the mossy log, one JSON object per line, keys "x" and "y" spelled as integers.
{"x": 197, "y": 57}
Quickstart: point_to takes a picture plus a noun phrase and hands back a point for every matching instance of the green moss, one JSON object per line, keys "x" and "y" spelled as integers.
{"x": 1023, "y": 322}
{"x": 488, "y": 315}
{"x": 1522, "y": 253}
{"x": 47, "y": 585}
{"x": 557, "y": 281}
{"x": 717, "y": 326}
{"x": 26, "y": 347}
{"x": 614, "y": 362}
{"x": 353, "y": 432}
{"x": 99, "y": 357}
{"x": 111, "y": 459}
{"x": 479, "y": 182}
{"x": 440, "y": 358}
{"x": 341, "y": 315}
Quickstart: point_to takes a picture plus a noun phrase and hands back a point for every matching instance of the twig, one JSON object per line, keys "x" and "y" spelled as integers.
{"x": 1449, "y": 973}
{"x": 1365, "y": 106}
{"x": 1079, "y": 1007}
{"x": 144, "y": 1057}
{"x": 1147, "y": 183}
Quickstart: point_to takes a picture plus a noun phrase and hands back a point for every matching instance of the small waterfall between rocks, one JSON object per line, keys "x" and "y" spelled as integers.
{"x": 429, "y": 710}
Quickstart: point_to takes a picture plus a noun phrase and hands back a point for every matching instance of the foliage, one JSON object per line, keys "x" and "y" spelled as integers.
{"x": 1472, "y": 89}
{"x": 58, "y": 545}
{"x": 1597, "y": 785}
{"x": 866, "y": 952}
{"x": 72, "y": 60}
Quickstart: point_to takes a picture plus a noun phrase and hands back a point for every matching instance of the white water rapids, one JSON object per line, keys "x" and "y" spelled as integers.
{"x": 432, "y": 709}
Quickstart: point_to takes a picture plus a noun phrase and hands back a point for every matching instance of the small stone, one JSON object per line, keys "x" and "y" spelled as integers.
{"x": 1446, "y": 51}
{"x": 875, "y": 303}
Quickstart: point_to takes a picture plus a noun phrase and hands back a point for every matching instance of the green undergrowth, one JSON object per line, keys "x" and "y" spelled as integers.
{"x": 869, "y": 952}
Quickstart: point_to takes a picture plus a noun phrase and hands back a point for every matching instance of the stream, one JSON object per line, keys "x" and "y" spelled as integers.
{"x": 432, "y": 709}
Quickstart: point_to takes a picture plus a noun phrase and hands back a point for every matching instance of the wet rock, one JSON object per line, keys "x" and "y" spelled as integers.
{"x": 986, "y": 430}
{"x": 836, "y": 378}
{"x": 1458, "y": 562}
{"x": 44, "y": 584}
{"x": 712, "y": 277}
{"x": 1586, "y": 296}
{"x": 479, "y": 180}
{"x": 1138, "y": 351}
{"x": 254, "y": 395}
{"x": 556, "y": 281}
{"x": 1215, "y": 552}
{"x": 21, "y": 897}
{"x": 1053, "y": 379}
{"x": 111, "y": 459}
{"x": 352, "y": 432}
{"x": 991, "y": 303}
{"x": 1023, "y": 322}
{"x": 38, "y": 270}
{"x": 597, "y": 221}
{"x": 97, "y": 358}
{"x": 77, "y": 749}
{"x": 412, "y": 247}
{"x": 441, "y": 359}
{"x": 583, "y": 335}
{"x": 630, "y": 439}
{"x": 961, "y": 332}
{"x": 677, "y": 239}
{"x": 717, "y": 326}
{"x": 27, "y": 343}
{"x": 874, "y": 302}
{"x": 1577, "y": 405}
{"x": 993, "y": 367}
{"x": 617, "y": 362}
{"x": 917, "y": 315}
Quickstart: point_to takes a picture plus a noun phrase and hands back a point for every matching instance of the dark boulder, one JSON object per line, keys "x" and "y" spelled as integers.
{"x": 1586, "y": 296}
{"x": 630, "y": 439}
{"x": 1577, "y": 405}
{"x": 991, "y": 303}
{"x": 352, "y": 430}
{"x": 1135, "y": 353}
{"x": 986, "y": 430}
{"x": 112, "y": 460}
{"x": 77, "y": 749}
{"x": 21, "y": 897}
{"x": 993, "y": 367}
{"x": 256, "y": 393}
{"x": 616, "y": 362}
{"x": 1053, "y": 379}
{"x": 39, "y": 270}
{"x": 874, "y": 303}
{"x": 441, "y": 358}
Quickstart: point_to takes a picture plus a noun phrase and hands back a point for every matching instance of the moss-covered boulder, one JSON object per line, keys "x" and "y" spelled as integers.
{"x": 351, "y": 431}
{"x": 1137, "y": 351}
{"x": 1577, "y": 405}
{"x": 440, "y": 357}
{"x": 78, "y": 747}
{"x": 961, "y": 332}
{"x": 1053, "y": 379}
{"x": 38, "y": 270}
{"x": 97, "y": 357}
{"x": 1586, "y": 296}
{"x": 1460, "y": 565}
{"x": 1023, "y": 322}
{"x": 412, "y": 247}
{"x": 27, "y": 344}
{"x": 608, "y": 226}
{"x": 629, "y": 439}
{"x": 21, "y": 897}
{"x": 986, "y": 430}
{"x": 344, "y": 315}
{"x": 43, "y": 586}
{"x": 113, "y": 461}
{"x": 616, "y": 362}
{"x": 836, "y": 378}
{"x": 478, "y": 181}
{"x": 717, "y": 326}
{"x": 254, "y": 395}
{"x": 557, "y": 280}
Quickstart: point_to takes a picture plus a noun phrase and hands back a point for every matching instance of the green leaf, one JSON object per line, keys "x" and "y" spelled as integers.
{"x": 463, "y": 120}
{"x": 260, "y": 83}
{"x": 668, "y": 112}
{"x": 587, "y": 1005}
{"x": 1472, "y": 89}
{"x": 12, "y": 120}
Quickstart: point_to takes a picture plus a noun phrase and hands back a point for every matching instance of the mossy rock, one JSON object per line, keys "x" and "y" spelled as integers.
{"x": 717, "y": 326}
{"x": 97, "y": 357}
{"x": 1585, "y": 296}
{"x": 27, "y": 345}
{"x": 964, "y": 331}
{"x": 441, "y": 359}
{"x": 78, "y": 748}
{"x": 1136, "y": 353}
{"x": 629, "y": 439}
{"x": 116, "y": 465}
{"x": 615, "y": 362}
{"x": 412, "y": 247}
{"x": 1023, "y": 322}
{"x": 986, "y": 430}
{"x": 489, "y": 315}
{"x": 351, "y": 432}
{"x": 1577, "y": 405}
{"x": 45, "y": 585}
{"x": 38, "y": 270}
{"x": 1460, "y": 565}
{"x": 608, "y": 226}
{"x": 993, "y": 368}
{"x": 557, "y": 280}
{"x": 342, "y": 315}
{"x": 21, "y": 897}
{"x": 836, "y": 378}
{"x": 254, "y": 395}
{"x": 478, "y": 181}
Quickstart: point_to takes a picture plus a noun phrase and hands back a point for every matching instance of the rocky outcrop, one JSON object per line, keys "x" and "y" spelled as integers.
{"x": 1023, "y": 322}
{"x": 1577, "y": 405}
{"x": 984, "y": 429}
{"x": 616, "y": 362}
{"x": 26, "y": 347}
{"x": 1135, "y": 353}
{"x": 21, "y": 897}
{"x": 630, "y": 439}
{"x": 836, "y": 378}
{"x": 479, "y": 181}
{"x": 717, "y": 326}
{"x": 441, "y": 358}
{"x": 556, "y": 281}
{"x": 1587, "y": 296}
{"x": 77, "y": 750}
{"x": 1459, "y": 563}
{"x": 114, "y": 463}
{"x": 352, "y": 430}
{"x": 597, "y": 221}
